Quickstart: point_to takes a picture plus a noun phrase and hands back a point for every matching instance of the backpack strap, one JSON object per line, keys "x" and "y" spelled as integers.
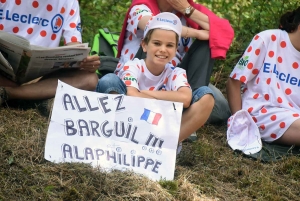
{"x": 112, "y": 40}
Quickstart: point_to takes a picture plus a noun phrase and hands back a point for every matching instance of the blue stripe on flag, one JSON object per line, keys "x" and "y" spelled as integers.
{"x": 145, "y": 115}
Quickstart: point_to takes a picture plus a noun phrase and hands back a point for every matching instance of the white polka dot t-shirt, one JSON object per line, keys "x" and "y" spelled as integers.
{"x": 270, "y": 69}
{"x": 135, "y": 74}
{"x": 42, "y": 22}
{"x": 133, "y": 36}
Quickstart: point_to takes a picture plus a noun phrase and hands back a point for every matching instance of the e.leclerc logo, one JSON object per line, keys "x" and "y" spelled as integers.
{"x": 56, "y": 22}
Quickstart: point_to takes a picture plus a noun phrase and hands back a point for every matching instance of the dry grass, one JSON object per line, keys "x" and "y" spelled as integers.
{"x": 205, "y": 170}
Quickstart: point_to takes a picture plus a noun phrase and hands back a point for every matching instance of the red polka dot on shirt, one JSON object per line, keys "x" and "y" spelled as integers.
{"x": 128, "y": 82}
{"x": 15, "y": 29}
{"x": 273, "y": 117}
{"x": 125, "y": 68}
{"x": 49, "y": 7}
{"x": 72, "y": 12}
{"x": 256, "y": 37}
{"x": 250, "y": 109}
{"x": 255, "y": 71}
{"x": 250, "y": 65}
{"x": 296, "y": 115}
{"x": 273, "y": 37}
{"x": 35, "y": 4}
{"x": 262, "y": 127}
{"x": 74, "y": 39}
{"x": 249, "y": 49}
{"x": 279, "y": 100}
{"x": 255, "y": 96}
{"x": 243, "y": 79}
{"x": 271, "y": 54}
{"x": 257, "y": 51}
{"x": 267, "y": 97}
{"x": 283, "y": 44}
{"x": 268, "y": 81}
{"x": 282, "y": 125}
{"x": 288, "y": 91}
{"x": 279, "y": 59}
{"x": 43, "y": 33}
{"x": 264, "y": 110}
{"x": 72, "y": 25}
{"x": 273, "y": 135}
{"x": 130, "y": 37}
{"x": 18, "y": 2}
{"x": 30, "y": 30}
{"x": 53, "y": 36}
{"x": 151, "y": 88}
{"x": 295, "y": 65}
{"x": 62, "y": 10}
{"x": 174, "y": 77}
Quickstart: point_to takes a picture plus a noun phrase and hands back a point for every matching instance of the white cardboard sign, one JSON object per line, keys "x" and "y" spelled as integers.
{"x": 114, "y": 132}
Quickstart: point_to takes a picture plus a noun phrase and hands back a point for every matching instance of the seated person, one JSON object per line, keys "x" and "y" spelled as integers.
{"x": 154, "y": 77}
{"x": 48, "y": 34}
{"x": 269, "y": 72}
{"x": 213, "y": 36}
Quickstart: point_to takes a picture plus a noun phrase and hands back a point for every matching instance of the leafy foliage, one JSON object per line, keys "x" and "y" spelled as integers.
{"x": 246, "y": 17}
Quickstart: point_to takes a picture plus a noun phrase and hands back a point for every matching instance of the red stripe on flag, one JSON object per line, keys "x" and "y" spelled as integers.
{"x": 156, "y": 118}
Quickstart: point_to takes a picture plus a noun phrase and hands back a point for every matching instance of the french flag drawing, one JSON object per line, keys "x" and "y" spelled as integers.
{"x": 151, "y": 117}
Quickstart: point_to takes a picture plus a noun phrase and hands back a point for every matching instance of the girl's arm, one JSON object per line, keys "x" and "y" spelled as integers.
{"x": 183, "y": 95}
{"x": 233, "y": 89}
{"x": 132, "y": 91}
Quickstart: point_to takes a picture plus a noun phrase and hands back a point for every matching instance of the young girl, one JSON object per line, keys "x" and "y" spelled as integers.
{"x": 269, "y": 69}
{"x": 156, "y": 78}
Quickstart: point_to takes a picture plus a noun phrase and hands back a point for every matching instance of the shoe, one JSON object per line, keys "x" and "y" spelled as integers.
{"x": 179, "y": 147}
{"x": 3, "y": 95}
{"x": 191, "y": 138}
{"x": 45, "y": 107}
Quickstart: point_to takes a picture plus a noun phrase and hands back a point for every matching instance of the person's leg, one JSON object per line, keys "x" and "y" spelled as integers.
{"x": 221, "y": 111}
{"x": 291, "y": 136}
{"x": 198, "y": 64}
{"x": 197, "y": 114}
{"x": 111, "y": 83}
{"x": 4, "y": 82}
{"x": 46, "y": 87}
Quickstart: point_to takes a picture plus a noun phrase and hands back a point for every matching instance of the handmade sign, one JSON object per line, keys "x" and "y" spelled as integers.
{"x": 114, "y": 132}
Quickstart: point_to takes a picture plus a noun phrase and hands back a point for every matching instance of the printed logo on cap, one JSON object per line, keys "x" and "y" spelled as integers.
{"x": 174, "y": 22}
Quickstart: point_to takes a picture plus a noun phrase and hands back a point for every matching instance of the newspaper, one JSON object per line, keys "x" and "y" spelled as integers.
{"x": 22, "y": 62}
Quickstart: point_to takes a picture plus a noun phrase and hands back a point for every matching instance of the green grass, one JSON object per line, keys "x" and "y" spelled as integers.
{"x": 205, "y": 170}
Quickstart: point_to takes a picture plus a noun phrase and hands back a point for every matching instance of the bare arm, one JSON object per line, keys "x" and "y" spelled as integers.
{"x": 183, "y": 95}
{"x": 233, "y": 89}
{"x": 132, "y": 91}
{"x": 197, "y": 16}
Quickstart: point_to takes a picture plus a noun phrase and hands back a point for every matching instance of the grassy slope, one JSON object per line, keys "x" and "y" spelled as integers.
{"x": 205, "y": 169}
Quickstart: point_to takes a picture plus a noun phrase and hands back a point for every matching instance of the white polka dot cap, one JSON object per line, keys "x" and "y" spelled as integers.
{"x": 243, "y": 133}
{"x": 166, "y": 21}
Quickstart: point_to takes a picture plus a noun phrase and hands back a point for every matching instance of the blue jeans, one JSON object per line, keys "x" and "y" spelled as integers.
{"x": 112, "y": 83}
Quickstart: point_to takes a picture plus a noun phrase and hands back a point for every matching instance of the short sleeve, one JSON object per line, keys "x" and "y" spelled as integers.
{"x": 135, "y": 15}
{"x": 178, "y": 79}
{"x": 72, "y": 25}
{"x": 129, "y": 74}
{"x": 251, "y": 62}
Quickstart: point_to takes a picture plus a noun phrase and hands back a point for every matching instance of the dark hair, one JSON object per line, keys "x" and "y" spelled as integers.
{"x": 148, "y": 37}
{"x": 290, "y": 20}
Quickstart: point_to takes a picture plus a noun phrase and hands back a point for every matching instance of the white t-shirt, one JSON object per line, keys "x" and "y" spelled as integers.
{"x": 133, "y": 36}
{"x": 42, "y": 22}
{"x": 136, "y": 74}
{"x": 270, "y": 70}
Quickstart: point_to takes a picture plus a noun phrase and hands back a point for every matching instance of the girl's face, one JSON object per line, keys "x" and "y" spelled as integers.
{"x": 160, "y": 50}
